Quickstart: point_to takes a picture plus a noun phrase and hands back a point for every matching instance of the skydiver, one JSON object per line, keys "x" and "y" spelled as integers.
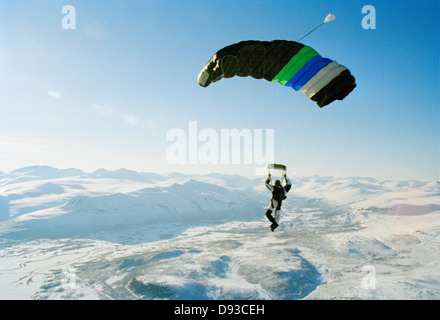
{"x": 278, "y": 195}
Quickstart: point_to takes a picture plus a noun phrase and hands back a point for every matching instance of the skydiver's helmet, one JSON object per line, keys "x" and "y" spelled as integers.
{"x": 277, "y": 183}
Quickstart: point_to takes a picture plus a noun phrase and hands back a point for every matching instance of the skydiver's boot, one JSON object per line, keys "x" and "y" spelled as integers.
{"x": 273, "y": 226}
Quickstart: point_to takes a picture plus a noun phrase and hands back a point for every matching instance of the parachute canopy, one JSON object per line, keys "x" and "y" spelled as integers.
{"x": 289, "y": 63}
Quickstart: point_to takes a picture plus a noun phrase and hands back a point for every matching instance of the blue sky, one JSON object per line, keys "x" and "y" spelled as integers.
{"x": 106, "y": 94}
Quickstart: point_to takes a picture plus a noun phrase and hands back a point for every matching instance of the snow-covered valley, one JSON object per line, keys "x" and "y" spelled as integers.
{"x": 66, "y": 234}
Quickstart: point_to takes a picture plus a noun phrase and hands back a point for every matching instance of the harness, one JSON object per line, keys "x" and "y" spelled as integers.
{"x": 278, "y": 195}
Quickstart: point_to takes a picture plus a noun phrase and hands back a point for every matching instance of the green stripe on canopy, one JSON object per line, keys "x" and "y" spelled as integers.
{"x": 294, "y": 65}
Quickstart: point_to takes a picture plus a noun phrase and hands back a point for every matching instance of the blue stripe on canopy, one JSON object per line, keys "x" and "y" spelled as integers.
{"x": 307, "y": 72}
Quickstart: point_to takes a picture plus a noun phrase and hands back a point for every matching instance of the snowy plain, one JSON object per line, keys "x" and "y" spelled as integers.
{"x": 67, "y": 234}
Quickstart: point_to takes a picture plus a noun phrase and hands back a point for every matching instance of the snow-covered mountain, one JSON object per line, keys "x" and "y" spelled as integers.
{"x": 47, "y": 202}
{"x": 67, "y": 234}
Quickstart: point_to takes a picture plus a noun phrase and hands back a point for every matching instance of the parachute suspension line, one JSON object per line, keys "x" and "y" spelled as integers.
{"x": 329, "y": 18}
{"x": 310, "y": 32}
{"x": 309, "y": 125}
